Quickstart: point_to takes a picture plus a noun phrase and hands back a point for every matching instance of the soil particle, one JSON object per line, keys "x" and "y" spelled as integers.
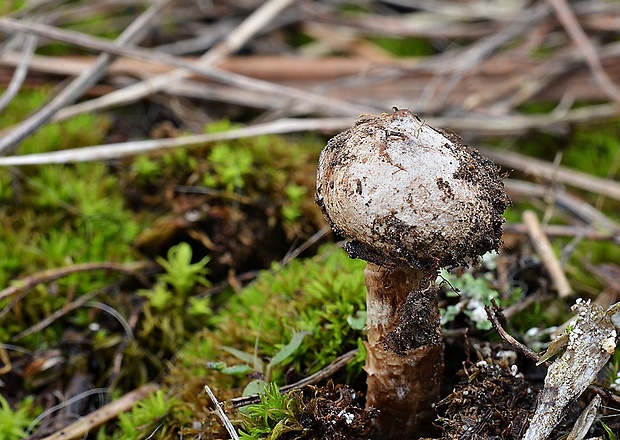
{"x": 418, "y": 324}
{"x": 490, "y": 402}
{"x": 336, "y": 412}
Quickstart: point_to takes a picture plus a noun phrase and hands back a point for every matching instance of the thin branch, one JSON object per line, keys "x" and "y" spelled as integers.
{"x": 545, "y": 251}
{"x": 80, "y": 84}
{"x": 486, "y": 123}
{"x": 473, "y": 55}
{"x": 131, "y": 269}
{"x": 585, "y": 232}
{"x": 582, "y": 210}
{"x": 153, "y": 85}
{"x": 221, "y": 414}
{"x": 104, "y": 414}
{"x": 569, "y": 21}
{"x": 524, "y": 349}
{"x": 60, "y": 313}
{"x": 112, "y": 151}
{"x": 339, "y": 363}
{"x": 546, "y": 170}
{"x": 317, "y": 236}
{"x": 20, "y": 72}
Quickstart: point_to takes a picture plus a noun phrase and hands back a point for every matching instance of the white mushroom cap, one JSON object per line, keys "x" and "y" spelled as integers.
{"x": 402, "y": 192}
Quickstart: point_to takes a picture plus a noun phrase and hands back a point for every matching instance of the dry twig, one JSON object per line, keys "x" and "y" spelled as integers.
{"x": 132, "y": 269}
{"x": 221, "y": 414}
{"x": 545, "y": 251}
{"x": 325, "y": 373}
{"x": 20, "y": 72}
{"x": 570, "y": 23}
{"x": 78, "y": 86}
{"x": 104, "y": 414}
{"x": 113, "y": 151}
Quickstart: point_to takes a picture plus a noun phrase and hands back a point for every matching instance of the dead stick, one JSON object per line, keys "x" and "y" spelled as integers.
{"x": 79, "y": 302}
{"x": 524, "y": 349}
{"x": 583, "y": 211}
{"x": 569, "y": 21}
{"x": 80, "y": 84}
{"x": 20, "y": 72}
{"x": 545, "y": 251}
{"x": 585, "y": 232}
{"x": 320, "y": 375}
{"x": 53, "y": 274}
{"x": 79, "y": 428}
{"x": 109, "y": 151}
{"x": 546, "y": 170}
{"x": 221, "y": 414}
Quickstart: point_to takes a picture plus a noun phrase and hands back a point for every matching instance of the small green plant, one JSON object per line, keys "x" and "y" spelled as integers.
{"x": 473, "y": 293}
{"x": 146, "y": 417}
{"x": 170, "y": 313}
{"x": 273, "y": 417}
{"x": 323, "y": 296}
{"x": 292, "y": 211}
{"x": 257, "y": 363}
{"x": 13, "y": 424}
{"x": 181, "y": 273}
{"x": 609, "y": 432}
{"x": 231, "y": 167}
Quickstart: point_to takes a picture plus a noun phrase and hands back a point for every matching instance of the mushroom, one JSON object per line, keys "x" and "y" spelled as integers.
{"x": 409, "y": 199}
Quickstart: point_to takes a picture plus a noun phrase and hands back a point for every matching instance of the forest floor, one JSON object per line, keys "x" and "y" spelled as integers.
{"x": 161, "y": 250}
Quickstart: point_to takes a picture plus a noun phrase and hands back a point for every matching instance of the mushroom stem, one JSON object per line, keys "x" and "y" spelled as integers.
{"x": 405, "y": 351}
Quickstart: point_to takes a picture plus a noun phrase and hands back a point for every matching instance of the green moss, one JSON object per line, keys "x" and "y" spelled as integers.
{"x": 404, "y": 47}
{"x": 57, "y": 215}
{"x": 316, "y": 295}
{"x": 273, "y": 174}
{"x": 147, "y": 418}
{"x": 296, "y": 316}
{"x": 594, "y": 149}
{"x": 13, "y": 423}
{"x": 274, "y": 416}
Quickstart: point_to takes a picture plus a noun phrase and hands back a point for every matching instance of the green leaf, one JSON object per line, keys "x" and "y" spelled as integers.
{"x": 358, "y": 321}
{"x": 217, "y": 366}
{"x": 256, "y": 386}
{"x": 287, "y": 350}
{"x": 609, "y": 432}
{"x": 237, "y": 369}
{"x": 248, "y": 358}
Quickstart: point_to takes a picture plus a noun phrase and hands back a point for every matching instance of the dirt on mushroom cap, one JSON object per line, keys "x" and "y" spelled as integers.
{"x": 402, "y": 192}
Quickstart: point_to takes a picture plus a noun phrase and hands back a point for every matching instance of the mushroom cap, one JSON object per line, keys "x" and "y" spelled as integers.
{"x": 403, "y": 193}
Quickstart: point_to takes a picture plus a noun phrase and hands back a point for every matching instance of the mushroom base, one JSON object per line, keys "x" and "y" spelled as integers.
{"x": 405, "y": 351}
